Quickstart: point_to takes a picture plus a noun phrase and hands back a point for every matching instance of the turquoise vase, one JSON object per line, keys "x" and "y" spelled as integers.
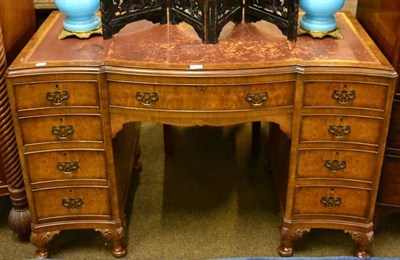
{"x": 319, "y": 15}
{"x": 81, "y": 15}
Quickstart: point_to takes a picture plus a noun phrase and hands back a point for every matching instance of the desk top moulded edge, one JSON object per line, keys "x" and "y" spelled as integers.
{"x": 143, "y": 45}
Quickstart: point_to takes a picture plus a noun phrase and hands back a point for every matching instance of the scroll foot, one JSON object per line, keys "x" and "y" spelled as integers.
{"x": 287, "y": 238}
{"x": 363, "y": 241}
{"x": 41, "y": 241}
{"x": 115, "y": 236}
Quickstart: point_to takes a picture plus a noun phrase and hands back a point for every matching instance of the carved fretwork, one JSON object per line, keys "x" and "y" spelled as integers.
{"x": 115, "y": 14}
{"x": 282, "y": 13}
{"x": 207, "y": 17}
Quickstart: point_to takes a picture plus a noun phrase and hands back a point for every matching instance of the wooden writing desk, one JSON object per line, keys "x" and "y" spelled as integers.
{"x": 73, "y": 102}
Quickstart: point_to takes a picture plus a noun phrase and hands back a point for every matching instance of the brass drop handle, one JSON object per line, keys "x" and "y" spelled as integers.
{"x": 343, "y": 96}
{"x": 339, "y": 131}
{"x": 62, "y": 131}
{"x": 331, "y": 201}
{"x": 256, "y": 98}
{"x": 68, "y": 167}
{"x": 57, "y": 97}
{"x": 72, "y": 203}
{"x": 335, "y": 165}
{"x": 147, "y": 98}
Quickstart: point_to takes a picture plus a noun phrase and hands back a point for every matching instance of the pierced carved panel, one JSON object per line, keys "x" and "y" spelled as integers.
{"x": 282, "y": 13}
{"x": 115, "y": 14}
{"x": 207, "y": 17}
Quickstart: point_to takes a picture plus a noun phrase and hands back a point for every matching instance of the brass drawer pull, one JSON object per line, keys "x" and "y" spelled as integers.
{"x": 339, "y": 131}
{"x": 72, "y": 203}
{"x": 62, "y": 131}
{"x": 331, "y": 202}
{"x": 256, "y": 98}
{"x": 335, "y": 166}
{"x": 68, "y": 167}
{"x": 147, "y": 98}
{"x": 343, "y": 96}
{"x": 57, "y": 97}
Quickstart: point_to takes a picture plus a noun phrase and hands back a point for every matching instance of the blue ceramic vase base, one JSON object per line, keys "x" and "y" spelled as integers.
{"x": 73, "y": 24}
{"x": 322, "y": 24}
{"x": 320, "y": 34}
{"x": 81, "y": 35}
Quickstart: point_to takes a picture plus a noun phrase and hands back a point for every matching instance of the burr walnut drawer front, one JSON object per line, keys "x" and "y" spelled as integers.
{"x": 56, "y": 128}
{"x": 56, "y": 94}
{"x": 336, "y": 164}
{"x": 361, "y": 95}
{"x": 71, "y": 202}
{"x": 339, "y": 128}
{"x": 330, "y": 201}
{"x": 217, "y": 97}
{"x": 66, "y": 165}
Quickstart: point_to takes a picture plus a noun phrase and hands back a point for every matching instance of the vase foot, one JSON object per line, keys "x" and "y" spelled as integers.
{"x": 320, "y": 34}
{"x": 81, "y": 35}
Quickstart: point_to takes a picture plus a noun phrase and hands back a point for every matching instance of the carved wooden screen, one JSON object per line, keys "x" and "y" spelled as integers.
{"x": 283, "y": 13}
{"x": 207, "y": 17}
{"x": 115, "y": 14}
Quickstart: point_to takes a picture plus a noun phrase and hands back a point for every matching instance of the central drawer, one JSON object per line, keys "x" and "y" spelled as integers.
{"x": 71, "y": 202}
{"x": 57, "y": 128}
{"x": 66, "y": 165}
{"x": 198, "y": 97}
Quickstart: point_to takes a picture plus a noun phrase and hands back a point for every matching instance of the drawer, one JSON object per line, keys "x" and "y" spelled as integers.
{"x": 71, "y": 202}
{"x": 336, "y": 164}
{"x": 337, "y": 128}
{"x": 334, "y": 94}
{"x": 331, "y": 201}
{"x": 56, "y": 94}
{"x": 202, "y": 97}
{"x": 66, "y": 165}
{"x": 61, "y": 128}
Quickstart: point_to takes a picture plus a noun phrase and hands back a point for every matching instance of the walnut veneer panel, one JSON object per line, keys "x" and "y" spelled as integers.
{"x": 356, "y": 165}
{"x": 95, "y": 201}
{"x": 322, "y": 94}
{"x": 66, "y": 165}
{"x": 362, "y": 130}
{"x": 353, "y": 202}
{"x": 62, "y": 93}
{"x": 164, "y": 74}
{"x": 202, "y": 96}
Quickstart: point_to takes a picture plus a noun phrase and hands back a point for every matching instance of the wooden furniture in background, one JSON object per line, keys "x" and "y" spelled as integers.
{"x": 17, "y": 25}
{"x": 44, "y": 4}
{"x": 381, "y": 19}
{"x": 331, "y": 99}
